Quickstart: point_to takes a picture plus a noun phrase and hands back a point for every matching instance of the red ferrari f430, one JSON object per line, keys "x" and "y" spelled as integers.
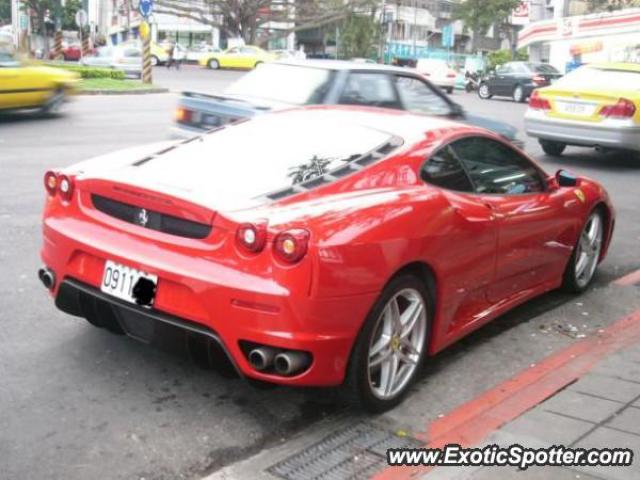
{"x": 321, "y": 246}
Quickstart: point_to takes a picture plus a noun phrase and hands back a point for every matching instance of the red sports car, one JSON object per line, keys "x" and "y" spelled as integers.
{"x": 319, "y": 246}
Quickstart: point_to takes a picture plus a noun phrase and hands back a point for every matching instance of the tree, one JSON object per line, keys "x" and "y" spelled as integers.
{"x": 71, "y": 7}
{"x": 251, "y": 19}
{"x": 359, "y": 35}
{"x": 480, "y": 15}
{"x": 610, "y": 5}
{"x": 503, "y": 56}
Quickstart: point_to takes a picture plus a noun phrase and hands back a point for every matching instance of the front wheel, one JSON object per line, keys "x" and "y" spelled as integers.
{"x": 54, "y": 105}
{"x": 213, "y": 64}
{"x": 484, "y": 92}
{"x": 552, "y": 148}
{"x": 391, "y": 346}
{"x": 586, "y": 255}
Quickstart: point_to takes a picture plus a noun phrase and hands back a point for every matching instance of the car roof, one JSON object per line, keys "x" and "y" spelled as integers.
{"x": 409, "y": 126}
{"x": 343, "y": 65}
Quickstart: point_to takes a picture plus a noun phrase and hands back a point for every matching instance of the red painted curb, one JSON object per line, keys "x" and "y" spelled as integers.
{"x": 473, "y": 421}
{"x": 629, "y": 279}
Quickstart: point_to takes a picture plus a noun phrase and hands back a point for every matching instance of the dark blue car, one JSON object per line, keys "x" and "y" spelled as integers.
{"x": 291, "y": 83}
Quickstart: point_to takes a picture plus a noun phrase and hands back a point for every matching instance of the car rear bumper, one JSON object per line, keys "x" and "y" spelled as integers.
{"x": 179, "y": 131}
{"x": 616, "y": 134}
{"x": 203, "y": 296}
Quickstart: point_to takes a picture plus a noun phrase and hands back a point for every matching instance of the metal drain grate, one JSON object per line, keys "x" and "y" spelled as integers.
{"x": 354, "y": 452}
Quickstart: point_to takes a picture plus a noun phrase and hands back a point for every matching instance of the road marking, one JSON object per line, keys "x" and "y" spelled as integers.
{"x": 629, "y": 279}
{"x": 473, "y": 421}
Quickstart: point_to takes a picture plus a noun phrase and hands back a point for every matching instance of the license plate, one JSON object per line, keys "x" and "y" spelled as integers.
{"x": 211, "y": 120}
{"x": 118, "y": 280}
{"x": 575, "y": 108}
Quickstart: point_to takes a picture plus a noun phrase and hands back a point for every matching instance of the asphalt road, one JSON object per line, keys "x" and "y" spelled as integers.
{"x": 77, "y": 402}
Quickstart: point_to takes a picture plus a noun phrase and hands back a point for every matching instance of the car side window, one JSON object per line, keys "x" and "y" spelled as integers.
{"x": 233, "y": 50}
{"x": 247, "y": 51}
{"x": 496, "y": 168}
{"x": 503, "y": 70}
{"x": 418, "y": 97}
{"x": 444, "y": 170}
{"x": 371, "y": 89}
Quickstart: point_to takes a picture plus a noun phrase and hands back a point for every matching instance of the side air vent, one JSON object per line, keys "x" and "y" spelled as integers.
{"x": 150, "y": 219}
{"x": 352, "y": 165}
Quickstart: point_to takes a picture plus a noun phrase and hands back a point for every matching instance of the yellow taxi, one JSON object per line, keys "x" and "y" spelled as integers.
{"x": 247, "y": 56}
{"x": 24, "y": 86}
{"x": 596, "y": 105}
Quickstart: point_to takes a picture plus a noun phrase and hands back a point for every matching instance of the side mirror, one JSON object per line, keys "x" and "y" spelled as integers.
{"x": 566, "y": 179}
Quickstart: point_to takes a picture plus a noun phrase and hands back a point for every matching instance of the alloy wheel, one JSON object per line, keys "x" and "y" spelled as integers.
{"x": 588, "y": 250}
{"x": 397, "y": 344}
{"x": 483, "y": 91}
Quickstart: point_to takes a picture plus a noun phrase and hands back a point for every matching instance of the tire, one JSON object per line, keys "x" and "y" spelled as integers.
{"x": 155, "y": 61}
{"x": 54, "y": 105}
{"x": 213, "y": 64}
{"x": 256, "y": 64}
{"x": 450, "y": 90}
{"x": 468, "y": 87}
{"x": 586, "y": 254}
{"x": 484, "y": 92}
{"x": 552, "y": 148}
{"x": 518, "y": 94}
{"x": 365, "y": 383}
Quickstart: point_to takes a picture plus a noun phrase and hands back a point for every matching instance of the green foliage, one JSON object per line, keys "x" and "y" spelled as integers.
{"x": 611, "y": 5}
{"x": 71, "y": 7}
{"x": 92, "y": 72}
{"x": 359, "y": 35}
{"x": 503, "y": 56}
{"x": 479, "y": 15}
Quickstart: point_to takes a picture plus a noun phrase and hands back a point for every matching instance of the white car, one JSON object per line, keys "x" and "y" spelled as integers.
{"x": 439, "y": 72}
{"x": 125, "y": 57}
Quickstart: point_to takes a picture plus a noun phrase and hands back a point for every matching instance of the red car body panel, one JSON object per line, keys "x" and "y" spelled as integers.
{"x": 486, "y": 254}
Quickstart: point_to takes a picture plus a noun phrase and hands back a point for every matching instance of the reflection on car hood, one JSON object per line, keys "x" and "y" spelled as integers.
{"x": 496, "y": 126}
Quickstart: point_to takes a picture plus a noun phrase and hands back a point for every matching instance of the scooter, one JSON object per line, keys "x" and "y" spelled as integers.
{"x": 471, "y": 81}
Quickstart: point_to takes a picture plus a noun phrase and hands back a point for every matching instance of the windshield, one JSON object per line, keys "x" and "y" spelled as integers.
{"x": 285, "y": 149}
{"x": 297, "y": 85}
{"x": 8, "y": 60}
{"x": 586, "y": 78}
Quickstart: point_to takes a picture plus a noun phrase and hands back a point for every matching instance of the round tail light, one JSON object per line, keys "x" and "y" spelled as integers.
{"x": 252, "y": 237}
{"x": 291, "y": 246}
{"x": 65, "y": 187}
{"x": 51, "y": 182}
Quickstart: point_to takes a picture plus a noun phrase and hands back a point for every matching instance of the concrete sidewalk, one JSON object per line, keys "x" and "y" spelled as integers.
{"x": 601, "y": 409}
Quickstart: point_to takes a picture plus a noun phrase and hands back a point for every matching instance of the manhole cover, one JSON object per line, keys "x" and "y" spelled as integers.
{"x": 353, "y": 452}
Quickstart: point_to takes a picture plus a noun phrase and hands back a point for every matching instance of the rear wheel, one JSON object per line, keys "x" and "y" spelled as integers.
{"x": 450, "y": 90}
{"x": 213, "y": 64}
{"x": 518, "y": 94}
{"x": 391, "y": 346}
{"x": 155, "y": 61}
{"x": 484, "y": 92}
{"x": 54, "y": 105}
{"x": 552, "y": 148}
{"x": 586, "y": 254}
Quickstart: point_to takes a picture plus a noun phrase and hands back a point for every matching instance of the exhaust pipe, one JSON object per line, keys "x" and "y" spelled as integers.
{"x": 47, "y": 277}
{"x": 261, "y": 358}
{"x": 289, "y": 363}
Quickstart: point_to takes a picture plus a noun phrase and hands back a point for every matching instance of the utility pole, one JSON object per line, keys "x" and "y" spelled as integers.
{"x": 15, "y": 22}
{"x": 415, "y": 27}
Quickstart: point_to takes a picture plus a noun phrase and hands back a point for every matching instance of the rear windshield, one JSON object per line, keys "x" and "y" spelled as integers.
{"x": 542, "y": 68}
{"x": 291, "y": 84}
{"x": 586, "y": 77}
{"x": 267, "y": 154}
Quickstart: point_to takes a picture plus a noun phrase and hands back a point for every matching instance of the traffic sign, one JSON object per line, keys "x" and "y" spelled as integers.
{"x": 448, "y": 36}
{"x": 146, "y": 7}
{"x": 81, "y": 18}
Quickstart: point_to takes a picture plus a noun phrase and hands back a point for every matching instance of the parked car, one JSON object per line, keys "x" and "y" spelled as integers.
{"x": 596, "y": 105}
{"x": 126, "y": 57}
{"x": 321, "y": 246}
{"x": 439, "y": 72}
{"x": 289, "y": 83}
{"x": 247, "y": 56}
{"x": 71, "y": 53}
{"x": 517, "y": 80}
{"x": 24, "y": 86}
